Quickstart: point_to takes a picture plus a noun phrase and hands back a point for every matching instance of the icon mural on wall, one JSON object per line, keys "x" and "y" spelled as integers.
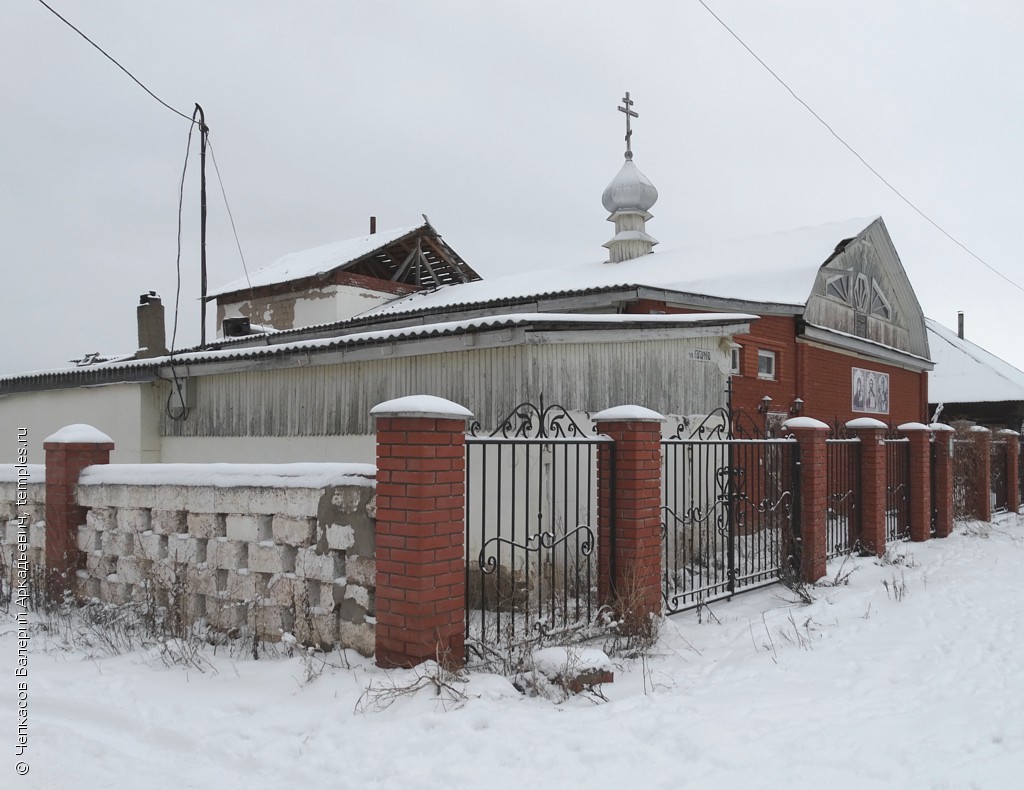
{"x": 870, "y": 391}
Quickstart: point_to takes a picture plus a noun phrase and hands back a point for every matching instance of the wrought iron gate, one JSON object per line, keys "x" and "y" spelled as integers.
{"x": 531, "y": 527}
{"x": 728, "y": 511}
{"x": 842, "y": 515}
{"x": 897, "y": 489}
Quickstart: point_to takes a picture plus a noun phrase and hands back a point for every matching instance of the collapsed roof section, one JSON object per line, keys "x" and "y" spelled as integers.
{"x": 414, "y": 256}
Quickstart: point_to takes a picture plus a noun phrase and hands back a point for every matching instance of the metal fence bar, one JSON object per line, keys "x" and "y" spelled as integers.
{"x": 965, "y": 472}
{"x": 728, "y": 516}
{"x": 531, "y": 535}
{"x": 842, "y": 518}
{"x": 897, "y": 490}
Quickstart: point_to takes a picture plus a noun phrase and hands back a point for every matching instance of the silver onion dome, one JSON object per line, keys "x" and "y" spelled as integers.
{"x": 630, "y": 190}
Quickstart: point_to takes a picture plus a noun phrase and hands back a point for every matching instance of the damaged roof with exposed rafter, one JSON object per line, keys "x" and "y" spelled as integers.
{"x": 413, "y": 256}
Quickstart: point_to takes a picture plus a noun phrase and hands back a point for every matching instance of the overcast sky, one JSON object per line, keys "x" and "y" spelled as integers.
{"x": 498, "y": 121}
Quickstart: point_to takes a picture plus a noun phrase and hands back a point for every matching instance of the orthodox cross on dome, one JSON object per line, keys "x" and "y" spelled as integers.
{"x": 627, "y": 105}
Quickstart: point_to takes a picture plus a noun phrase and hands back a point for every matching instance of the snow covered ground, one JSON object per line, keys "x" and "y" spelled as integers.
{"x": 906, "y": 676}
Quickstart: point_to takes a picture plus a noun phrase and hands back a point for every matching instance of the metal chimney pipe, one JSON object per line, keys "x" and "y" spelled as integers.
{"x": 960, "y": 324}
{"x": 373, "y": 225}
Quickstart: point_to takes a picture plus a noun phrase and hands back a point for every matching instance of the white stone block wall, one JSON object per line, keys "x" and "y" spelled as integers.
{"x": 245, "y": 559}
{"x": 34, "y": 508}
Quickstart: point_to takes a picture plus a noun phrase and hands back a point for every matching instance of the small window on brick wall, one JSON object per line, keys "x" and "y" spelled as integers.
{"x": 736, "y": 363}
{"x": 765, "y": 364}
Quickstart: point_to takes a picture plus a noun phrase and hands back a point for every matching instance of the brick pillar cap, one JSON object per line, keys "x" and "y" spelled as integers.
{"x": 796, "y": 423}
{"x": 1008, "y": 432}
{"x": 913, "y": 426}
{"x": 979, "y": 429}
{"x": 429, "y": 406}
{"x": 867, "y": 422}
{"x": 938, "y": 426}
{"x": 79, "y": 433}
{"x": 628, "y": 414}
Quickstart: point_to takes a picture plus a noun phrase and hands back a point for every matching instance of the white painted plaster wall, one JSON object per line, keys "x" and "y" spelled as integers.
{"x": 322, "y": 306}
{"x": 128, "y": 413}
{"x": 269, "y": 449}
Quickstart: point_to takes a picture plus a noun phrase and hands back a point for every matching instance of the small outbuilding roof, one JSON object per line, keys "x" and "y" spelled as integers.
{"x": 396, "y": 255}
{"x": 967, "y": 373}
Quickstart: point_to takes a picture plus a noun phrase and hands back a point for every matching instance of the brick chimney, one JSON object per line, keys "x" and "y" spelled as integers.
{"x": 152, "y": 335}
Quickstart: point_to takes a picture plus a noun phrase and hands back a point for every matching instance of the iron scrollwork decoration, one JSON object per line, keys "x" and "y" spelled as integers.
{"x": 530, "y": 421}
{"x": 546, "y": 540}
{"x": 721, "y": 423}
{"x": 534, "y": 543}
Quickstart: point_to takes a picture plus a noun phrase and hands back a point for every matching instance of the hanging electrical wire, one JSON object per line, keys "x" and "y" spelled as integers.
{"x": 853, "y": 151}
{"x": 231, "y": 219}
{"x": 100, "y": 49}
{"x": 176, "y": 385}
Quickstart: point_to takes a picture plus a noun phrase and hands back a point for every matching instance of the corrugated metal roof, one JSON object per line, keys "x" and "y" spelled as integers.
{"x": 148, "y": 369}
{"x": 777, "y": 268}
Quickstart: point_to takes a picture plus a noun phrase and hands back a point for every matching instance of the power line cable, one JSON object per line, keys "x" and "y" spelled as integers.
{"x": 176, "y": 385}
{"x": 853, "y": 151}
{"x": 112, "y": 60}
{"x": 231, "y": 218}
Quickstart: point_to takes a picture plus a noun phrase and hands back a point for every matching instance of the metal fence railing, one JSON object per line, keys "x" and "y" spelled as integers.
{"x": 531, "y": 528}
{"x": 842, "y": 515}
{"x": 897, "y": 489}
{"x": 729, "y": 516}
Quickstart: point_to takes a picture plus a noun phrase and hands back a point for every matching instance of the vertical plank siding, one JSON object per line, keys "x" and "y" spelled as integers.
{"x": 335, "y": 400}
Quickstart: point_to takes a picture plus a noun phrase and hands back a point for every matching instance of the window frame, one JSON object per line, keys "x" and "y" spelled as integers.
{"x": 736, "y": 360}
{"x": 768, "y": 354}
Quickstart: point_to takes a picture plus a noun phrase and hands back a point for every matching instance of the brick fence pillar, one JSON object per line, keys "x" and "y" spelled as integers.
{"x": 811, "y": 550}
{"x": 1012, "y": 469}
{"x": 982, "y": 483}
{"x": 871, "y": 433}
{"x": 68, "y": 452}
{"x": 420, "y": 532}
{"x": 920, "y": 494}
{"x": 942, "y": 493}
{"x": 629, "y": 497}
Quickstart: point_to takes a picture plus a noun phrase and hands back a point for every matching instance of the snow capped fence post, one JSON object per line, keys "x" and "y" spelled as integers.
{"x": 920, "y": 479}
{"x": 68, "y": 452}
{"x": 982, "y": 485}
{"x": 871, "y": 433}
{"x": 421, "y": 531}
{"x": 942, "y": 491}
{"x": 811, "y": 435}
{"x": 1012, "y": 469}
{"x": 629, "y": 497}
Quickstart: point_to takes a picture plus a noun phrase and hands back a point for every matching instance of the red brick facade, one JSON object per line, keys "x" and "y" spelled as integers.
{"x": 813, "y": 497}
{"x": 821, "y": 377}
{"x": 64, "y": 463}
{"x": 420, "y": 544}
{"x": 630, "y": 498}
{"x": 942, "y": 493}
{"x": 920, "y": 480}
{"x": 872, "y": 489}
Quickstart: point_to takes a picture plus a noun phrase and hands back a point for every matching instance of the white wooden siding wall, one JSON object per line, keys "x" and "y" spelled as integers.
{"x": 332, "y": 400}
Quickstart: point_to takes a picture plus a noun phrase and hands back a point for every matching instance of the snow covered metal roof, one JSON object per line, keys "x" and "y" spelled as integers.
{"x": 775, "y": 268}
{"x": 389, "y": 255}
{"x": 318, "y": 260}
{"x": 967, "y": 373}
{"x": 136, "y": 371}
